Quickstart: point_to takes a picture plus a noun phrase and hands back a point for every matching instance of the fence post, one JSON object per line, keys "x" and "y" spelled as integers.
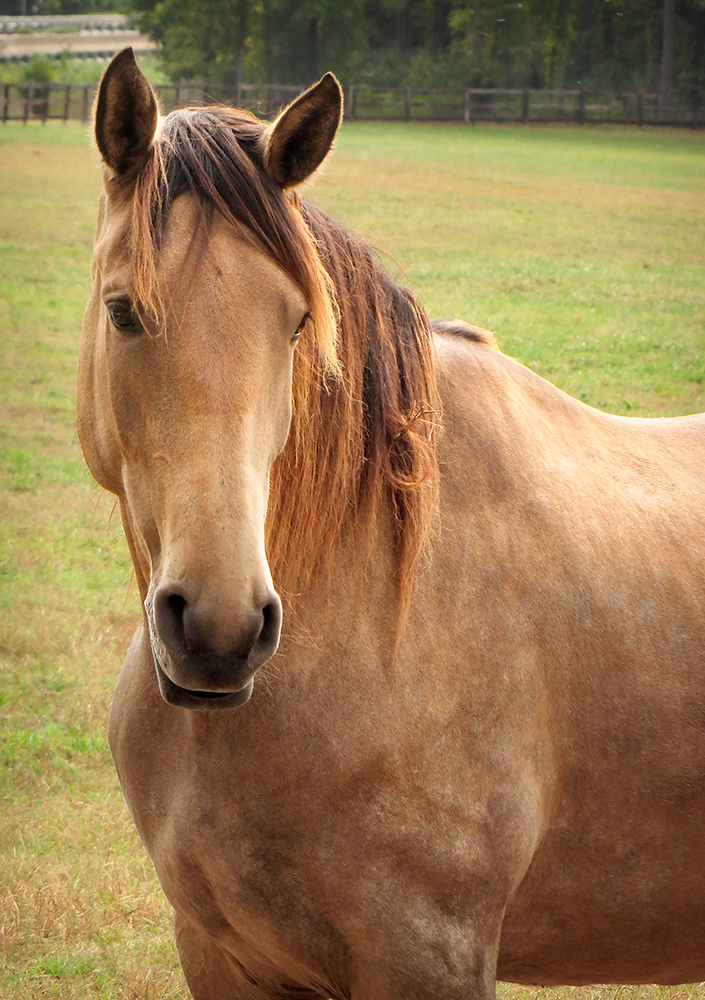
{"x": 525, "y": 107}
{"x": 28, "y": 95}
{"x": 640, "y": 109}
{"x": 581, "y": 107}
{"x": 67, "y": 102}
{"x": 45, "y": 102}
{"x": 268, "y": 110}
{"x": 351, "y": 103}
{"x": 6, "y": 103}
{"x": 467, "y": 107}
{"x": 84, "y": 115}
{"x": 238, "y": 96}
{"x": 407, "y": 104}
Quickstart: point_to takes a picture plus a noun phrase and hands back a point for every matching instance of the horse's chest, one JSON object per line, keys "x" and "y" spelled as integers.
{"x": 284, "y": 838}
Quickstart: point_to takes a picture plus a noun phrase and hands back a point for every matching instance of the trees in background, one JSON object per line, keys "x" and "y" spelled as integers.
{"x": 656, "y": 45}
{"x": 610, "y": 44}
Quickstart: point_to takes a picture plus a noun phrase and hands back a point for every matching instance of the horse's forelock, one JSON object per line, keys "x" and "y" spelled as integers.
{"x": 213, "y": 154}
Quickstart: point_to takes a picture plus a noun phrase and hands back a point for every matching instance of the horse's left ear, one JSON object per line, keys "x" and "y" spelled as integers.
{"x": 301, "y": 137}
{"x": 126, "y": 114}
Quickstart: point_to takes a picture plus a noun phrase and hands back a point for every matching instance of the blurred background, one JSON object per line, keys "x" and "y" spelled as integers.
{"x": 656, "y": 47}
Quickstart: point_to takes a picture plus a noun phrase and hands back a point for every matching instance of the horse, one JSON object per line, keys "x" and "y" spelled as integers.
{"x": 417, "y": 701}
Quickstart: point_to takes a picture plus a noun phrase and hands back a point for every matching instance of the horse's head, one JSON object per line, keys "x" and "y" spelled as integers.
{"x": 204, "y": 277}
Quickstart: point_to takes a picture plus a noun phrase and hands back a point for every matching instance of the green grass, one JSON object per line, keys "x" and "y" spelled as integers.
{"x": 583, "y": 250}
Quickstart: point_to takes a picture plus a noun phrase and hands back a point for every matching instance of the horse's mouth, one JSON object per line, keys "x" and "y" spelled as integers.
{"x": 182, "y": 697}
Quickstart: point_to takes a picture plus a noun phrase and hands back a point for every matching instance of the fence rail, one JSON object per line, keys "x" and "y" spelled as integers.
{"x": 517, "y": 105}
{"x": 44, "y": 101}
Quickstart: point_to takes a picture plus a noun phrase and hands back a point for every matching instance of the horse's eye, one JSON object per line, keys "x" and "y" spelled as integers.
{"x": 123, "y": 316}
{"x": 300, "y": 327}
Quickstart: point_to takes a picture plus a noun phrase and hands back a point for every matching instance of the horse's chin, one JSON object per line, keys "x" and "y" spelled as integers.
{"x": 180, "y": 697}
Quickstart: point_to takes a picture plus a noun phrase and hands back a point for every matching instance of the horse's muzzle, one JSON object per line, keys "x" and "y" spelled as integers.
{"x": 204, "y": 664}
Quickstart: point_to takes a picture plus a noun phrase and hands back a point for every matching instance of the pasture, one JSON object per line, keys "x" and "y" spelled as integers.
{"x": 582, "y": 250}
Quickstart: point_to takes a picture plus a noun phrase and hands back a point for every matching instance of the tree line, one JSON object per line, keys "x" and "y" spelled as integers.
{"x": 607, "y": 45}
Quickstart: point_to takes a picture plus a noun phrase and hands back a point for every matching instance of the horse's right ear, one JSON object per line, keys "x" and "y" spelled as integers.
{"x": 301, "y": 137}
{"x": 126, "y": 114}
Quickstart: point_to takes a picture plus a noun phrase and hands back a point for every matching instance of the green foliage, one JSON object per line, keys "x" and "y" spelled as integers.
{"x": 67, "y": 69}
{"x": 207, "y": 39}
{"x": 41, "y": 69}
{"x": 277, "y": 41}
{"x": 594, "y": 44}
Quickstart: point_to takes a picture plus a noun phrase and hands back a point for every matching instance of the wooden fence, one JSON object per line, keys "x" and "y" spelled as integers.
{"x": 73, "y": 102}
{"x": 44, "y": 101}
{"x": 525, "y": 106}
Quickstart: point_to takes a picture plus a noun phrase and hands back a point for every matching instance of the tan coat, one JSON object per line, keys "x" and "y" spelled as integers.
{"x": 519, "y": 792}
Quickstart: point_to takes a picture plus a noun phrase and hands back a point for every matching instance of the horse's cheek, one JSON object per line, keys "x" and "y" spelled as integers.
{"x": 95, "y": 421}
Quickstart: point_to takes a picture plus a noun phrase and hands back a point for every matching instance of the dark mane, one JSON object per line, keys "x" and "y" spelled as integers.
{"x": 365, "y": 399}
{"x": 467, "y": 331}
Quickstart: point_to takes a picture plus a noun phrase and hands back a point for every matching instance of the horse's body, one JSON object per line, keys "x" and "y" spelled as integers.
{"x": 519, "y": 791}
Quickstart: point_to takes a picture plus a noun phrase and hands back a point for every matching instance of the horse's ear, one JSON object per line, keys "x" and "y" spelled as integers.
{"x": 126, "y": 114}
{"x": 301, "y": 137}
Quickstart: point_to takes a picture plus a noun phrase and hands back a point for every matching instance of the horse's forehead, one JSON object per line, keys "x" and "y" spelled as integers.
{"x": 189, "y": 241}
{"x": 112, "y": 231}
{"x": 225, "y": 260}
{"x": 215, "y": 259}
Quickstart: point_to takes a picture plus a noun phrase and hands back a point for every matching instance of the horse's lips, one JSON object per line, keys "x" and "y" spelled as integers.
{"x": 181, "y": 697}
{"x": 209, "y": 694}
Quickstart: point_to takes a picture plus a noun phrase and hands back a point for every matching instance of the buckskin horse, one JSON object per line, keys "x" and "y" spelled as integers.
{"x": 476, "y": 751}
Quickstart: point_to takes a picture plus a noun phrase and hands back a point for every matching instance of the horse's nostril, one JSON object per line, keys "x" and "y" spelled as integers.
{"x": 269, "y": 614}
{"x": 198, "y": 629}
{"x": 268, "y": 639}
{"x": 177, "y": 605}
{"x": 169, "y": 610}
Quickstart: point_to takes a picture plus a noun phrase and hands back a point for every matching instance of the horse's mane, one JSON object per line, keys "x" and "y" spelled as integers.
{"x": 365, "y": 398}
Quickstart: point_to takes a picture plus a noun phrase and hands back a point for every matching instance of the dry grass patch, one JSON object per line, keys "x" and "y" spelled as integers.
{"x": 98, "y": 929}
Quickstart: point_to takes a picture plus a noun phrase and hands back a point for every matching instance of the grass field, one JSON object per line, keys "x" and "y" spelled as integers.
{"x": 583, "y": 250}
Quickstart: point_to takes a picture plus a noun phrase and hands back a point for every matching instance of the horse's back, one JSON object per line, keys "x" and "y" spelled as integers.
{"x": 589, "y": 550}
